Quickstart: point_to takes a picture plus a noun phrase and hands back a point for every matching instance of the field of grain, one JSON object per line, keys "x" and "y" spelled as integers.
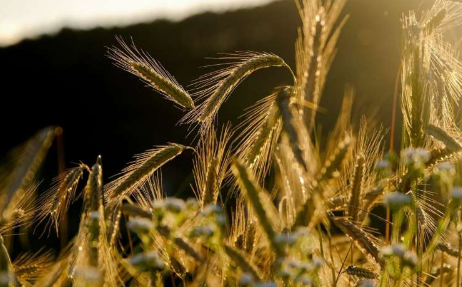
{"x": 273, "y": 201}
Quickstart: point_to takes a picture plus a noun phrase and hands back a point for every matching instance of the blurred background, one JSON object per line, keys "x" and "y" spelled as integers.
{"x": 54, "y": 70}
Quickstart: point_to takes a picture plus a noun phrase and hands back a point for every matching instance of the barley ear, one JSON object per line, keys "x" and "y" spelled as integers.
{"x": 252, "y": 191}
{"x": 259, "y": 134}
{"x": 93, "y": 200}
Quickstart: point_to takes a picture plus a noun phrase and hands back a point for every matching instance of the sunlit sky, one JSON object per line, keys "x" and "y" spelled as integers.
{"x": 21, "y": 19}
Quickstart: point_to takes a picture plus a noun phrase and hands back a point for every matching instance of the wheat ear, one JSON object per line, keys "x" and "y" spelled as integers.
{"x": 56, "y": 201}
{"x": 356, "y": 189}
{"x": 361, "y": 239}
{"x": 180, "y": 243}
{"x": 442, "y": 136}
{"x": 94, "y": 219}
{"x": 31, "y": 266}
{"x": 240, "y": 259}
{"x": 252, "y": 190}
{"x": 437, "y": 272}
{"x": 435, "y": 22}
{"x": 137, "y": 173}
{"x": 329, "y": 170}
{"x": 444, "y": 247}
{"x": 283, "y": 100}
{"x": 360, "y": 272}
{"x": 136, "y": 211}
{"x": 258, "y": 136}
{"x": 93, "y": 200}
{"x": 211, "y": 164}
{"x": 29, "y": 162}
{"x": 149, "y": 70}
{"x": 217, "y": 86}
{"x": 370, "y": 198}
